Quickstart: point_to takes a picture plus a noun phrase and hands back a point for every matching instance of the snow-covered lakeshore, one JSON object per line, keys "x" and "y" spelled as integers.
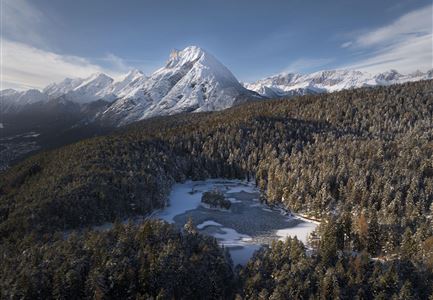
{"x": 244, "y": 228}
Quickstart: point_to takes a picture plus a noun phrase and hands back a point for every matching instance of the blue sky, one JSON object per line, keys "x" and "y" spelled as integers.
{"x": 44, "y": 41}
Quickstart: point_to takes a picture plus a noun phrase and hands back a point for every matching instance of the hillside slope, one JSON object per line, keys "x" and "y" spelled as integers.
{"x": 361, "y": 160}
{"x": 77, "y": 185}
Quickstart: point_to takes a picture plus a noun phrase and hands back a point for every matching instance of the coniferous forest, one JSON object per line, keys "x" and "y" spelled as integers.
{"x": 359, "y": 160}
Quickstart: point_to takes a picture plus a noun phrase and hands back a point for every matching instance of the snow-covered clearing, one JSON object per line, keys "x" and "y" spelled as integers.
{"x": 301, "y": 231}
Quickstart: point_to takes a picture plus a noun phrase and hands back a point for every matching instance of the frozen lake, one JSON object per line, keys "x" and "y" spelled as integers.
{"x": 244, "y": 228}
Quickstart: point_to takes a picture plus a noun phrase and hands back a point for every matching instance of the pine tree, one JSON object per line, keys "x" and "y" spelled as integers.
{"x": 189, "y": 227}
{"x": 373, "y": 236}
{"x": 408, "y": 247}
{"x": 406, "y": 291}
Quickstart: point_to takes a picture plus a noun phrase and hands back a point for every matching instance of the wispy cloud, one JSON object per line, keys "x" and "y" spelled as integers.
{"x": 27, "y": 60}
{"x": 414, "y": 54}
{"x": 24, "y": 61}
{"x": 116, "y": 62}
{"x": 120, "y": 64}
{"x": 22, "y": 21}
{"x": 405, "y": 44}
{"x": 413, "y": 24}
{"x": 306, "y": 64}
{"x": 347, "y": 44}
{"x": 24, "y": 66}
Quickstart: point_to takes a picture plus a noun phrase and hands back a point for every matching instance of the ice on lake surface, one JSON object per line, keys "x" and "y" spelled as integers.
{"x": 244, "y": 228}
{"x": 207, "y": 223}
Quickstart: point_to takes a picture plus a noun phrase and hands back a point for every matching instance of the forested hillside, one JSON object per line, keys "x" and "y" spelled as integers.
{"x": 360, "y": 160}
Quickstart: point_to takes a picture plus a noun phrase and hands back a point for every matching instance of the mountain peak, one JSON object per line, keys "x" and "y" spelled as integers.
{"x": 193, "y": 50}
{"x": 388, "y": 75}
{"x": 8, "y": 92}
{"x": 98, "y": 79}
{"x": 188, "y": 55}
{"x": 134, "y": 72}
{"x": 98, "y": 76}
{"x": 192, "y": 81}
{"x": 130, "y": 76}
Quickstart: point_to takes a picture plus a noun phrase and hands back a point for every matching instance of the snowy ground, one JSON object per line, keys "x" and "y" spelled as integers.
{"x": 183, "y": 197}
{"x": 301, "y": 231}
{"x": 243, "y": 229}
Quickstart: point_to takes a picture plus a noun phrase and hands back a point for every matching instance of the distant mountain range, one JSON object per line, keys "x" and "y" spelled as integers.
{"x": 191, "y": 81}
{"x": 292, "y": 84}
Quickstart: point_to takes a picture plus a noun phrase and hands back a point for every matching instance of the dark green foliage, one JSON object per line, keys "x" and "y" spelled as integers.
{"x": 127, "y": 262}
{"x": 215, "y": 199}
{"x": 360, "y": 159}
{"x": 285, "y": 272}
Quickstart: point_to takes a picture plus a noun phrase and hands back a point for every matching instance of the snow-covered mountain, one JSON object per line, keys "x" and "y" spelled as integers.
{"x": 125, "y": 85}
{"x": 191, "y": 81}
{"x": 55, "y": 90}
{"x": 79, "y": 90}
{"x": 290, "y": 84}
{"x": 12, "y": 100}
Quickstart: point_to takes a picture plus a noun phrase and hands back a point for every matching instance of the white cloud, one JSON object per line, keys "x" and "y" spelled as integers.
{"x": 346, "y": 44}
{"x": 304, "y": 64}
{"x": 413, "y": 54}
{"x": 116, "y": 62}
{"x": 405, "y": 44}
{"x": 22, "y": 21}
{"x": 24, "y": 66}
{"x": 412, "y": 24}
{"x": 27, "y": 60}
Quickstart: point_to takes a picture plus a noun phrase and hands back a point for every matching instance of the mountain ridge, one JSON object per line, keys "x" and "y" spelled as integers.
{"x": 192, "y": 80}
{"x": 293, "y": 84}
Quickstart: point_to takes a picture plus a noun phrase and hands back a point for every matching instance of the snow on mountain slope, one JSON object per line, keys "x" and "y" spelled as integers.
{"x": 91, "y": 89}
{"x": 31, "y": 96}
{"x": 128, "y": 84}
{"x": 12, "y": 101}
{"x": 8, "y": 100}
{"x": 95, "y": 87}
{"x": 204, "y": 84}
{"x": 286, "y": 85}
{"x": 55, "y": 90}
{"x": 191, "y": 81}
{"x": 77, "y": 90}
